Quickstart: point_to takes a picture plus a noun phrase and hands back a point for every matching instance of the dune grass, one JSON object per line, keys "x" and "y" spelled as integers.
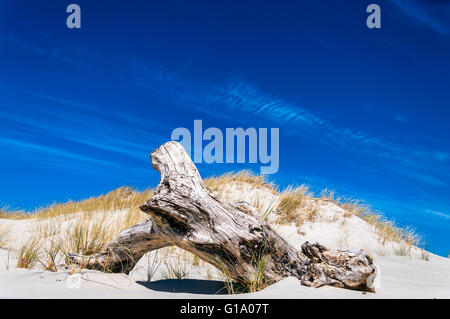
{"x": 175, "y": 270}
{"x": 403, "y": 249}
{"x": 6, "y": 213}
{"x": 4, "y": 234}
{"x": 265, "y": 209}
{"x": 121, "y": 198}
{"x": 29, "y": 253}
{"x": 252, "y": 281}
{"x": 154, "y": 261}
{"x": 245, "y": 176}
{"x": 88, "y": 234}
{"x": 48, "y": 255}
{"x": 118, "y": 199}
{"x": 83, "y": 227}
{"x": 296, "y": 205}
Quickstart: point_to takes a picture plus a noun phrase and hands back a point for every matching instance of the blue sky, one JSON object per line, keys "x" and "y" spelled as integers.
{"x": 362, "y": 111}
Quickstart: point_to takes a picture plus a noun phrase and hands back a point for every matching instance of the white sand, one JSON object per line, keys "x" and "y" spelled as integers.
{"x": 401, "y": 278}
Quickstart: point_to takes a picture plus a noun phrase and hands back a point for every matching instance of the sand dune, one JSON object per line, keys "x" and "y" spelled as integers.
{"x": 405, "y": 271}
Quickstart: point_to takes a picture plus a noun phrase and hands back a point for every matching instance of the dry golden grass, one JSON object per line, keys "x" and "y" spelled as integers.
{"x": 388, "y": 231}
{"x": 48, "y": 256}
{"x": 88, "y": 234}
{"x": 403, "y": 249}
{"x": 4, "y": 233}
{"x": 121, "y": 198}
{"x": 6, "y": 213}
{"x": 351, "y": 206}
{"x": 296, "y": 205}
{"x": 29, "y": 253}
{"x": 252, "y": 281}
{"x": 215, "y": 183}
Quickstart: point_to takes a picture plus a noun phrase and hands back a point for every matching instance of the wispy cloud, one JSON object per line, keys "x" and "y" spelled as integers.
{"x": 434, "y": 14}
{"x": 84, "y": 130}
{"x": 65, "y": 133}
{"x": 235, "y": 95}
{"x": 440, "y": 214}
{"x": 229, "y": 96}
{"x": 49, "y": 156}
{"x": 50, "y": 150}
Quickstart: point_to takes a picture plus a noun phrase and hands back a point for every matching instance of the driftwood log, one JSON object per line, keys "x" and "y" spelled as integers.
{"x": 232, "y": 237}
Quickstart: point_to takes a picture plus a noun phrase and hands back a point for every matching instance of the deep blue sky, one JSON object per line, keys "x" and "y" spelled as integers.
{"x": 362, "y": 111}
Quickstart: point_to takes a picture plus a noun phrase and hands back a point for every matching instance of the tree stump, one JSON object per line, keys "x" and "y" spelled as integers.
{"x": 185, "y": 213}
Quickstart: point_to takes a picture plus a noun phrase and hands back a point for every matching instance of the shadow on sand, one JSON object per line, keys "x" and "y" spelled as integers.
{"x": 191, "y": 286}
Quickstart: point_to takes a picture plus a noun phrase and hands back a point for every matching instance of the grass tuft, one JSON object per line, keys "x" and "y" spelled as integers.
{"x": 215, "y": 183}
{"x": 29, "y": 253}
{"x": 175, "y": 269}
{"x": 296, "y": 205}
{"x": 48, "y": 259}
{"x": 4, "y": 234}
{"x": 252, "y": 281}
{"x": 265, "y": 210}
{"x": 402, "y": 249}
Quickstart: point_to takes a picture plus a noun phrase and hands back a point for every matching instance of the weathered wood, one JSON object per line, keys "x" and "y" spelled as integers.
{"x": 124, "y": 252}
{"x": 231, "y": 237}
